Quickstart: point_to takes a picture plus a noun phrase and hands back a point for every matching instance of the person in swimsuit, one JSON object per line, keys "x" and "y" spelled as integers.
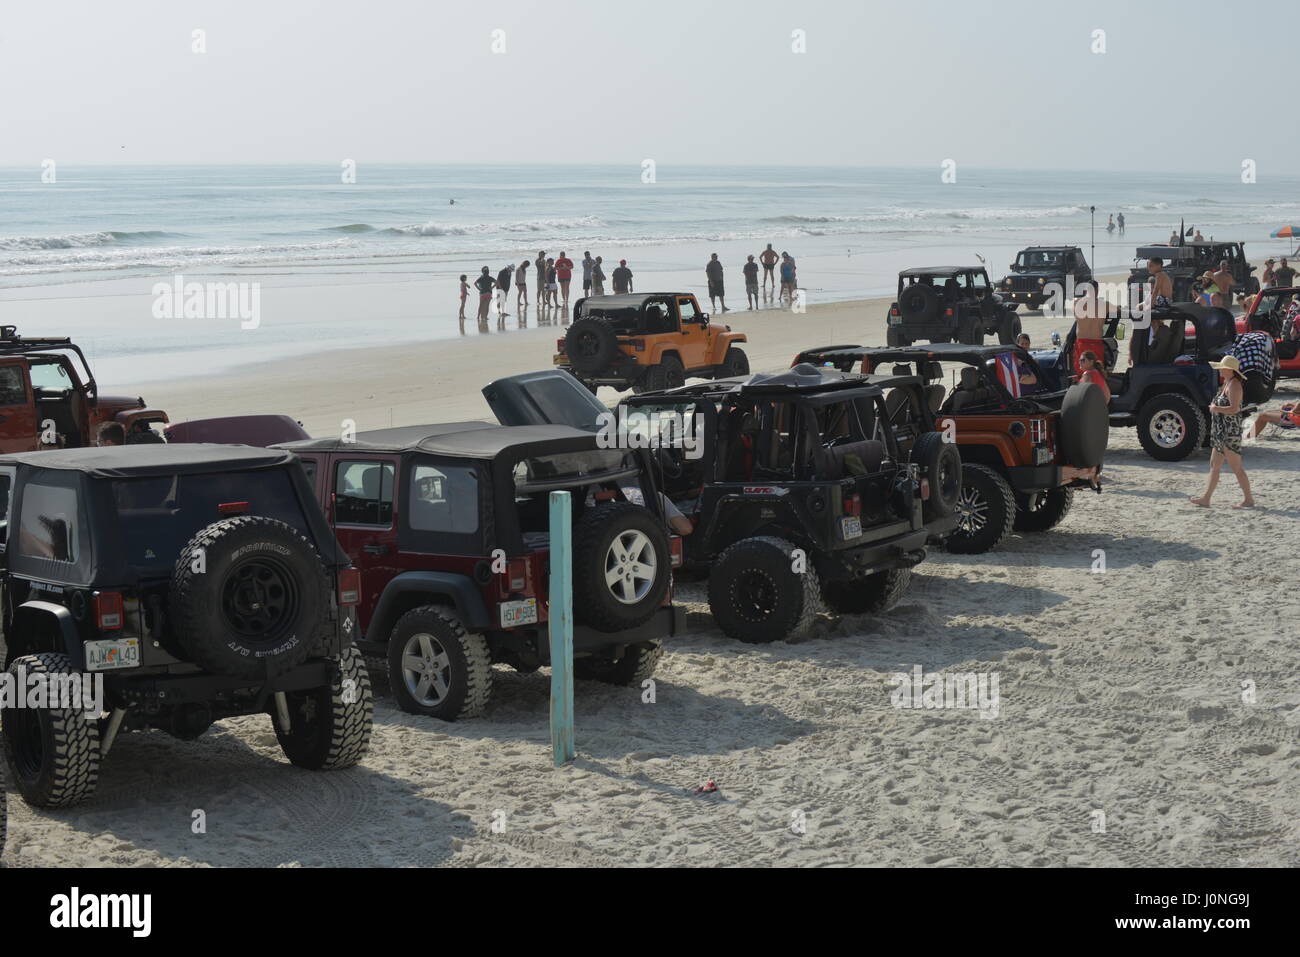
{"x": 1287, "y": 418}
{"x": 484, "y": 284}
{"x": 1089, "y": 324}
{"x": 521, "y": 284}
{"x": 769, "y": 259}
{"x": 540, "y": 264}
{"x": 1092, "y": 370}
{"x": 464, "y": 295}
{"x": 1162, "y": 287}
{"x": 1226, "y": 433}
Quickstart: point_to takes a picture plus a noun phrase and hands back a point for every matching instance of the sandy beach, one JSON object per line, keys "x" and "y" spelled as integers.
{"x": 1148, "y": 713}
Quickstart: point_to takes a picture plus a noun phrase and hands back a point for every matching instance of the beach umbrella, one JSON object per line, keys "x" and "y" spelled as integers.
{"x": 1286, "y": 232}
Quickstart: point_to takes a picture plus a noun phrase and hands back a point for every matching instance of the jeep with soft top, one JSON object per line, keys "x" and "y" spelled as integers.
{"x": 449, "y": 527}
{"x": 1189, "y": 260}
{"x": 49, "y": 398}
{"x": 647, "y": 341}
{"x": 1024, "y": 448}
{"x": 197, "y": 583}
{"x": 1038, "y": 269}
{"x": 949, "y": 304}
{"x": 806, "y": 489}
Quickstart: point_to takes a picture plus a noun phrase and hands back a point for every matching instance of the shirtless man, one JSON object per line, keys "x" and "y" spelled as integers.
{"x": 1223, "y": 279}
{"x": 1161, "y": 291}
{"x": 769, "y": 258}
{"x": 1089, "y": 323}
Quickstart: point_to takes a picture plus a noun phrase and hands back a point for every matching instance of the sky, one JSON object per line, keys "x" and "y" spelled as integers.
{"x": 1187, "y": 86}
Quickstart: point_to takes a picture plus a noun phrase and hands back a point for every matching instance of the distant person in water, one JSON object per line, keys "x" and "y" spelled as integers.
{"x": 484, "y": 284}
{"x": 713, "y": 272}
{"x": 1110, "y": 223}
{"x": 1119, "y": 221}
{"x": 750, "y": 269}
{"x": 769, "y": 258}
{"x": 464, "y": 294}
{"x": 521, "y": 284}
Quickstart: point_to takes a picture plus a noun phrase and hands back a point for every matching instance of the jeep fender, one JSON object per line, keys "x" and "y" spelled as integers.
{"x": 659, "y": 353}
{"x": 412, "y": 589}
{"x": 131, "y": 416}
{"x": 994, "y": 449}
{"x": 44, "y": 626}
{"x": 722, "y": 343}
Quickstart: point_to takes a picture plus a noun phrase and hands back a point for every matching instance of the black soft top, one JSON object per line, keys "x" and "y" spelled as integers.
{"x": 938, "y": 352}
{"x": 470, "y": 440}
{"x": 132, "y": 461}
{"x": 804, "y": 379}
{"x": 936, "y": 270}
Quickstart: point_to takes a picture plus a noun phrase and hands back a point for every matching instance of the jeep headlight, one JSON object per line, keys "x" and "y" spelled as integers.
{"x": 1042, "y": 281}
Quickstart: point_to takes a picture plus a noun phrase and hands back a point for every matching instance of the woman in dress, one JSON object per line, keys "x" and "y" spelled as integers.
{"x": 1225, "y": 432}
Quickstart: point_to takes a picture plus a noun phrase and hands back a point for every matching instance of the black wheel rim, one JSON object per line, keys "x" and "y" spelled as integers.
{"x": 260, "y": 599}
{"x": 753, "y": 595}
{"x": 588, "y": 344}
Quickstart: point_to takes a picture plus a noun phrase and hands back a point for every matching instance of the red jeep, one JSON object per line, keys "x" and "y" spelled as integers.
{"x": 449, "y": 526}
{"x": 48, "y": 400}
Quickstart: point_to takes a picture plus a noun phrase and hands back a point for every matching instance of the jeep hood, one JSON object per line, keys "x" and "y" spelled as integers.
{"x": 550, "y": 397}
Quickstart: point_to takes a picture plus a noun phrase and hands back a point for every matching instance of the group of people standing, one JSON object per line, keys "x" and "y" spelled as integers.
{"x": 554, "y": 276}
{"x": 768, "y": 259}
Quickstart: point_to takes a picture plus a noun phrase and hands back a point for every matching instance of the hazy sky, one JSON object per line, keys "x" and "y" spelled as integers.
{"x": 1182, "y": 85}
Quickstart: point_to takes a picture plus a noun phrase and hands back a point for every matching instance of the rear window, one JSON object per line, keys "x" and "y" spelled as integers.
{"x": 444, "y": 499}
{"x": 48, "y": 527}
{"x": 160, "y": 514}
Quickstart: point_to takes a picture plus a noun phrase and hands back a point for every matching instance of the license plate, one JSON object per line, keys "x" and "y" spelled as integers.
{"x": 515, "y": 613}
{"x": 111, "y": 654}
{"x": 895, "y": 320}
{"x": 850, "y": 527}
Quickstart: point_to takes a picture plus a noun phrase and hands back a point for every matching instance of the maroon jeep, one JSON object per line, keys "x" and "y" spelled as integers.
{"x": 449, "y": 526}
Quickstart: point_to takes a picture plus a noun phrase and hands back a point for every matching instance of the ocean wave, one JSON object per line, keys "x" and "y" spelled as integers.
{"x": 478, "y": 229}
{"x": 34, "y": 260}
{"x": 79, "y": 240}
{"x": 902, "y": 215}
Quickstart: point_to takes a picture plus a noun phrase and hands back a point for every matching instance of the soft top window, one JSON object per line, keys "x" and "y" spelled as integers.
{"x": 48, "y": 526}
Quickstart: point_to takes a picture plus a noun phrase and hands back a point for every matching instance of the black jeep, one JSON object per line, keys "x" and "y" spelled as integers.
{"x": 949, "y": 304}
{"x": 804, "y": 487}
{"x": 1187, "y": 262}
{"x": 449, "y": 525}
{"x": 188, "y": 584}
{"x": 1038, "y": 268}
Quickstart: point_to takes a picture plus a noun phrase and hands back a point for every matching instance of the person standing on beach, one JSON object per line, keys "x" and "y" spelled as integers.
{"x": 564, "y": 273}
{"x": 484, "y": 284}
{"x": 713, "y": 272}
{"x": 503, "y": 288}
{"x": 597, "y": 278}
{"x": 1284, "y": 275}
{"x": 588, "y": 264}
{"x": 750, "y": 269}
{"x": 540, "y": 264}
{"x": 1198, "y": 238}
{"x": 1223, "y": 279}
{"x": 1225, "y": 433}
{"x": 464, "y": 295}
{"x": 552, "y": 284}
{"x": 1119, "y": 221}
{"x": 622, "y": 279}
{"x": 521, "y": 283}
{"x": 1267, "y": 279}
{"x": 1089, "y": 323}
{"x": 787, "y": 277}
{"x": 769, "y": 259}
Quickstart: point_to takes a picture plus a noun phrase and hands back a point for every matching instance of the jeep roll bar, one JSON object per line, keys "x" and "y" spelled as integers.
{"x": 12, "y": 344}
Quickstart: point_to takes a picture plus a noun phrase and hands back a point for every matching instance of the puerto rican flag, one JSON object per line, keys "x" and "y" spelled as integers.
{"x": 1009, "y": 373}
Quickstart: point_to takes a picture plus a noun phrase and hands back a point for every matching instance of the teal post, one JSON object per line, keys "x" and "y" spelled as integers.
{"x": 561, "y": 629}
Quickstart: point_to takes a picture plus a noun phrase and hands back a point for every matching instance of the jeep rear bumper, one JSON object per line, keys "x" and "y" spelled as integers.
{"x": 901, "y": 551}
{"x": 665, "y": 623}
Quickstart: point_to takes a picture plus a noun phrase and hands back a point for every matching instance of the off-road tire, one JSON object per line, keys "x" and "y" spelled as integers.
{"x": 594, "y": 536}
{"x": 868, "y": 596}
{"x": 735, "y": 363}
{"x": 51, "y": 754}
{"x": 591, "y": 344}
{"x": 1008, "y": 329}
{"x": 205, "y": 604}
{"x": 329, "y": 726}
{"x": 969, "y": 333}
{"x": 668, "y": 374}
{"x": 1195, "y": 430}
{"x": 467, "y": 669}
{"x": 987, "y": 509}
{"x": 1053, "y": 505}
{"x": 638, "y": 663}
{"x": 793, "y": 600}
{"x": 940, "y": 465}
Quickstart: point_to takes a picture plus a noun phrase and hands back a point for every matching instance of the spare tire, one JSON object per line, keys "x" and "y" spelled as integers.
{"x": 621, "y": 566}
{"x": 919, "y": 303}
{"x": 591, "y": 344}
{"x": 1085, "y": 426}
{"x": 940, "y": 465}
{"x": 249, "y": 598}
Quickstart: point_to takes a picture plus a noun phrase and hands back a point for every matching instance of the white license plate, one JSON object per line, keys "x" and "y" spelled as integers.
{"x": 895, "y": 320}
{"x": 111, "y": 654}
{"x": 515, "y": 613}
{"x": 850, "y": 527}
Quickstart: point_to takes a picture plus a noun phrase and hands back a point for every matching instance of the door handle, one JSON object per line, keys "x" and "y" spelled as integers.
{"x": 375, "y": 549}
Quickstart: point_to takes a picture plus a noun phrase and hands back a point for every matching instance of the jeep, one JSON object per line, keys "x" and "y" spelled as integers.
{"x": 1187, "y": 262}
{"x": 449, "y": 527}
{"x": 1024, "y": 449}
{"x": 1038, "y": 267}
{"x": 800, "y": 492}
{"x": 191, "y": 584}
{"x": 1276, "y": 309}
{"x": 949, "y": 304}
{"x": 49, "y": 399}
{"x": 647, "y": 342}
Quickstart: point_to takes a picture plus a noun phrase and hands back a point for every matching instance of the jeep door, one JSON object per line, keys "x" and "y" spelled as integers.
{"x": 696, "y": 335}
{"x": 18, "y": 426}
{"x": 361, "y": 512}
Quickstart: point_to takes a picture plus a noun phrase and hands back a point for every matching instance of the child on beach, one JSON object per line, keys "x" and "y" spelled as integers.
{"x": 1226, "y": 434}
{"x": 552, "y": 284}
{"x": 464, "y": 295}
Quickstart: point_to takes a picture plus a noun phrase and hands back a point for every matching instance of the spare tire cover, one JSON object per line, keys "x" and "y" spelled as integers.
{"x": 250, "y": 598}
{"x": 919, "y": 303}
{"x": 590, "y": 344}
{"x": 1085, "y": 426}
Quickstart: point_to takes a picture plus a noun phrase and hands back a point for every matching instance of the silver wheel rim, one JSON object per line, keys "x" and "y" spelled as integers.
{"x": 630, "y": 566}
{"x": 426, "y": 670}
{"x": 1167, "y": 429}
{"x": 973, "y": 511}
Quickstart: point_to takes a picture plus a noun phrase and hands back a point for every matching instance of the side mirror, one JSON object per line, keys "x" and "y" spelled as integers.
{"x": 1056, "y": 339}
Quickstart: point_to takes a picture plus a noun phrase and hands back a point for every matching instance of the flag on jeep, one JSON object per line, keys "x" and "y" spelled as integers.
{"x": 1009, "y": 373}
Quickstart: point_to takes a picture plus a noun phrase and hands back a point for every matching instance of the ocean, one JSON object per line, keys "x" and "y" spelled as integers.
{"x": 850, "y": 230}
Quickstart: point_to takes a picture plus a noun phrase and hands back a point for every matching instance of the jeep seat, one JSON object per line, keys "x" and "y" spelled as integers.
{"x": 969, "y": 392}
{"x": 831, "y": 464}
{"x": 934, "y": 396}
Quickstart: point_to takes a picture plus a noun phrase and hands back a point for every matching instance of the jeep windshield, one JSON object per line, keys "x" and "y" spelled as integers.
{"x": 159, "y": 515}
{"x": 1040, "y": 259}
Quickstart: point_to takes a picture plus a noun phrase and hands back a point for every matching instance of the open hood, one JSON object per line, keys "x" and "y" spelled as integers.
{"x": 551, "y": 397}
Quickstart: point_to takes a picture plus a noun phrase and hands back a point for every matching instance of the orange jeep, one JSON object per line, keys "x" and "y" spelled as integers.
{"x": 648, "y": 341}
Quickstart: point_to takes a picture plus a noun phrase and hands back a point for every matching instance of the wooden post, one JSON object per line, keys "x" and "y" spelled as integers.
{"x": 561, "y": 629}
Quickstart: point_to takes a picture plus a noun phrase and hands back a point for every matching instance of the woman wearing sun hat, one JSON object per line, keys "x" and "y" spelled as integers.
{"x": 1225, "y": 432}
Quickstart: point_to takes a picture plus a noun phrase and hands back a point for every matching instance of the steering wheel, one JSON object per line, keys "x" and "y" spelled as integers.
{"x": 670, "y": 462}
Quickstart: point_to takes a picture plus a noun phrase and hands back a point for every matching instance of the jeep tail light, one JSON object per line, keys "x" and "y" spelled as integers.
{"x": 853, "y": 504}
{"x": 349, "y": 587}
{"x": 893, "y": 311}
{"x": 1037, "y": 431}
{"x": 675, "y": 550}
{"x": 108, "y": 610}
{"x": 233, "y": 508}
{"x": 948, "y": 311}
{"x": 925, "y": 490}
{"x": 559, "y": 345}
{"x": 637, "y": 344}
{"x": 517, "y": 574}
